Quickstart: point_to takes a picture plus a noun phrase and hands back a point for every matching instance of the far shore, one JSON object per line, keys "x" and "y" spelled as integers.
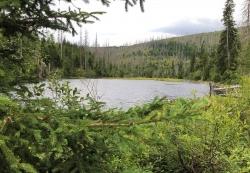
{"x": 142, "y": 78}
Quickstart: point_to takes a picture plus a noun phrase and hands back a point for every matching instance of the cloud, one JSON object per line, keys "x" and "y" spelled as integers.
{"x": 187, "y": 27}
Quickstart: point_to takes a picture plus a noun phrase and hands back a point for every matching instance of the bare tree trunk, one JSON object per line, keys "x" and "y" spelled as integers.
{"x": 248, "y": 13}
{"x": 85, "y": 49}
{"x": 61, "y": 45}
{"x": 21, "y": 45}
{"x": 49, "y": 68}
{"x": 228, "y": 53}
{"x": 80, "y": 45}
{"x": 248, "y": 17}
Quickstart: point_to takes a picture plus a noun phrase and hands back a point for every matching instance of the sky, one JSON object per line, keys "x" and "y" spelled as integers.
{"x": 161, "y": 19}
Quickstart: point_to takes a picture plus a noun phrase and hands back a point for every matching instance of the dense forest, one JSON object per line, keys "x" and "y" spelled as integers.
{"x": 71, "y": 133}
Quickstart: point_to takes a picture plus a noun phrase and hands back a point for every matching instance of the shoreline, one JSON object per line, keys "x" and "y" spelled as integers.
{"x": 143, "y": 78}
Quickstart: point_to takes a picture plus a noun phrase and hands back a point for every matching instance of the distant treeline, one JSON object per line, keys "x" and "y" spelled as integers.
{"x": 156, "y": 59}
{"x": 190, "y": 57}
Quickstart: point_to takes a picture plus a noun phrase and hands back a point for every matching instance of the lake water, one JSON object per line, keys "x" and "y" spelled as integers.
{"x": 127, "y": 93}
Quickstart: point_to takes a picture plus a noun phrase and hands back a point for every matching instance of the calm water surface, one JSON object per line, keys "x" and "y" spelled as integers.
{"x": 127, "y": 93}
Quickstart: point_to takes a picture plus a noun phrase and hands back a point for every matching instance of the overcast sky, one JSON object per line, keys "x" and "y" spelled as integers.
{"x": 161, "y": 19}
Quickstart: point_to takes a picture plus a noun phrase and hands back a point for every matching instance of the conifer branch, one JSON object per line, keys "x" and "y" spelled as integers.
{"x": 127, "y": 124}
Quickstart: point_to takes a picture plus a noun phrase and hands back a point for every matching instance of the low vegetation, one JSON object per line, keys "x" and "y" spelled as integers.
{"x": 209, "y": 134}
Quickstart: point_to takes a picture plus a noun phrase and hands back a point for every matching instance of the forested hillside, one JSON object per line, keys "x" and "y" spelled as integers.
{"x": 172, "y": 58}
{"x": 187, "y": 57}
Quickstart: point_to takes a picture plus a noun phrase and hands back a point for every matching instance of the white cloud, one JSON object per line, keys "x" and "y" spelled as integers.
{"x": 119, "y": 27}
{"x": 187, "y": 26}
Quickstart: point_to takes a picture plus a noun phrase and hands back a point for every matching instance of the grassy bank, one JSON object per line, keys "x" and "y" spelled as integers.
{"x": 136, "y": 78}
{"x": 157, "y": 79}
{"x": 160, "y": 79}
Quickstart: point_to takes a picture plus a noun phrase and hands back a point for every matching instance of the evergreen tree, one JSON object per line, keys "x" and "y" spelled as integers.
{"x": 173, "y": 73}
{"x": 29, "y": 16}
{"x": 203, "y": 61}
{"x": 229, "y": 46}
{"x": 192, "y": 64}
{"x": 180, "y": 70}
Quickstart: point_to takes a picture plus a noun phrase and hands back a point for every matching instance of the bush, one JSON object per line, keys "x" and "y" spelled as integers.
{"x": 198, "y": 135}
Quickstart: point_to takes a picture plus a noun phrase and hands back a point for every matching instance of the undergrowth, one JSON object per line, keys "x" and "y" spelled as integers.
{"x": 71, "y": 133}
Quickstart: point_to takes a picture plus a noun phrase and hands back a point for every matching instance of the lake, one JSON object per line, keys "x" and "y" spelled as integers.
{"x": 123, "y": 93}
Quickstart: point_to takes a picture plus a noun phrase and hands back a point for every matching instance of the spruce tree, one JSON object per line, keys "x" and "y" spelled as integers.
{"x": 173, "y": 73}
{"x": 180, "y": 73}
{"x": 192, "y": 64}
{"x": 203, "y": 61}
{"x": 229, "y": 45}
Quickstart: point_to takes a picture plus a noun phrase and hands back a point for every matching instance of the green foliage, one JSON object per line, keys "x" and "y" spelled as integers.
{"x": 23, "y": 59}
{"x": 71, "y": 133}
{"x": 199, "y": 135}
{"x": 7, "y": 106}
{"x": 27, "y": 17}
{"x": 229, "y": 46}
{"x": 18, "y": 60}
{"x": 13, "y": 164}
{"x": 244, "y": 62}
